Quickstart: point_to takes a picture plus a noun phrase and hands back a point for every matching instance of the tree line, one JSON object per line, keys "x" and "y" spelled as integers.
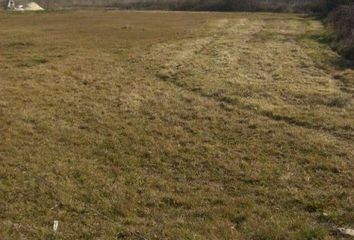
{"x": 307, "y": 6}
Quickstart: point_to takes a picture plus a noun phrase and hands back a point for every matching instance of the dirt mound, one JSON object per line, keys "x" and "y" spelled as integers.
{"x": 32, "y": 6}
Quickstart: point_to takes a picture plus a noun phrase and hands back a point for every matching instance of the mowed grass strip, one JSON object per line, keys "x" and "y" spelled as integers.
{"x": 172, "y": 125}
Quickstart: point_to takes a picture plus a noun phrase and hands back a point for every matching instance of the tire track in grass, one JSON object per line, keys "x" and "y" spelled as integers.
{"x": 182, "y": 55}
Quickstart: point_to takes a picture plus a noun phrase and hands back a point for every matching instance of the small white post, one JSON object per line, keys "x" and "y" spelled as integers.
{"x": 55, "y": 225}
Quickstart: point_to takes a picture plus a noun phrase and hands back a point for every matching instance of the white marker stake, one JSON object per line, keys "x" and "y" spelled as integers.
{"x": 55, "y": 225}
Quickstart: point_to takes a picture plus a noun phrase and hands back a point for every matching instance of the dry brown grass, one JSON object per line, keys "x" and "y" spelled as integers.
{"x": 153, "y": 125}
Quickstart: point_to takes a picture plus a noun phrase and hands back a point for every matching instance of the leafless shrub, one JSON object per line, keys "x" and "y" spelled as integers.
{"x": 341, "y": 21}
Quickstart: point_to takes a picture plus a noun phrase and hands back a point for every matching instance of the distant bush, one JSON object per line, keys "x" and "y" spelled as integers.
{"x": 341, "y": 22}
{"x": 316, "y": 6}
{"x": 333, "y": 4}
{"x": 307, "y": 6}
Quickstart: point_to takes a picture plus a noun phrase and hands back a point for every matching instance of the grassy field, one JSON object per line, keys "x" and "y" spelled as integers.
{"x": 156, "y": 125}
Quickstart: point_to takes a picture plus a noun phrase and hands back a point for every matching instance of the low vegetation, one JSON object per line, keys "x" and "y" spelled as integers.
{"x": 341, "y": 22}
{"x": 155, "y": 125}
{"x": 308, "y": 6}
